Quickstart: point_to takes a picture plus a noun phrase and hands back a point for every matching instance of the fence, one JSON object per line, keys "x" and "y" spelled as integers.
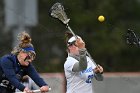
{"x": 113, "y": 83}
{"x": 118, "y": 83}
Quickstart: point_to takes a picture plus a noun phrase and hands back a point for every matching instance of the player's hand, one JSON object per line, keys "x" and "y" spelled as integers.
{"x": 80, "y": 43}
{"x": 44, "y": 88}
{"x": 27, "y": 90}
{"x": 98, "y": 69}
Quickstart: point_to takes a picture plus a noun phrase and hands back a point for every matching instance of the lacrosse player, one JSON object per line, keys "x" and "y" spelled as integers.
{"x": 78, "y": 67}
{"x": 17, "y": 64}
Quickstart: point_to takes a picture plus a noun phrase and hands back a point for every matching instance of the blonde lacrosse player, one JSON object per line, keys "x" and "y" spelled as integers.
{"x": 17, "y": 64}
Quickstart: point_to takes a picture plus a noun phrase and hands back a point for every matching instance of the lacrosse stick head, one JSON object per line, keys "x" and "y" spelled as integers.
{"x": 131, "y": 38}
{"x": 57, "y": 11}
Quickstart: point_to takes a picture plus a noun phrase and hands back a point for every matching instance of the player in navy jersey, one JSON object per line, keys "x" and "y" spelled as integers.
{"x": 17, "y": 64}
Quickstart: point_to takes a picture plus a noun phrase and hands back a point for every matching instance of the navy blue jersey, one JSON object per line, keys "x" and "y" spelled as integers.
{"x": 12, "y": 71}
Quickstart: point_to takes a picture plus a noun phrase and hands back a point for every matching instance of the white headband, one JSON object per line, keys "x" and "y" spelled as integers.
{"x": 72, "y": 40}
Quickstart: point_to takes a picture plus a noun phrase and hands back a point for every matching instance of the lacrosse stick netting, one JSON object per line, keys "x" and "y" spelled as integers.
{"x": 57, "y": 11}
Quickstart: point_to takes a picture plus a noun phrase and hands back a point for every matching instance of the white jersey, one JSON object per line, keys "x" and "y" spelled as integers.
{"x": 79, "y": 82}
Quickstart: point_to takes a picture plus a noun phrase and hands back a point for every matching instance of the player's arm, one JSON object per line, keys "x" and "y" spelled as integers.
{"x": 98, "y": 73}
{"x": 31, "y": 71}
{"x": 34, "y": 75}
{"x": 82, "y": 64}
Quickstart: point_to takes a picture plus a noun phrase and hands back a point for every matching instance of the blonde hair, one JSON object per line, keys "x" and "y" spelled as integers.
{"x": 24, "y": 41}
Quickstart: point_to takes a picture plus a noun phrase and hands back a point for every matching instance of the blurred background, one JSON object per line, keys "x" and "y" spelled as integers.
{"x": 106, "y": 41}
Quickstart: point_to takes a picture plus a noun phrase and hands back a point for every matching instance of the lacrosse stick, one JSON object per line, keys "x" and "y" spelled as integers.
{"x": 34, "y": 91}
{"x": 57, "y": 11}
{"x": 131, "y": 38}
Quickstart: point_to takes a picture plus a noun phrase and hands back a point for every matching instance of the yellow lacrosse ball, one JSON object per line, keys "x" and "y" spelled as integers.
{"x": 101, "y": 18}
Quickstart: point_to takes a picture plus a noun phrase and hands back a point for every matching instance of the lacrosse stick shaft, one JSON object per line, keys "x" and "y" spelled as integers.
{"x": 76, "y": 38}
{"x": 34, "y": 91}
{"x": 71, "y": 31}
{"x": 91, "y": 59}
